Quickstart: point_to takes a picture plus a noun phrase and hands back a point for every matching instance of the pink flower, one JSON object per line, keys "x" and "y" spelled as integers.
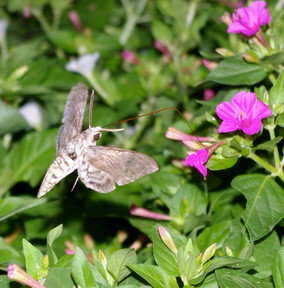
{"x": 129, "y": 57}
{"x": 210, "y": 65}
{"x": 139, "y": 211}
{"x": 18, "y": 274}
{"x": 75, "y": 19}
{"x": 192, "y": 142}
{"x": 208, "y": 94}
{"x": 159, "y": 45}
{"x": 245, "y": 113}
{"x": 197, "y": 160}
{"x": 247, "y": 20}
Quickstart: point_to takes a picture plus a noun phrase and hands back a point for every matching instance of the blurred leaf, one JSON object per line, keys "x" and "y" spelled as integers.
{"x": 10, "y": 206}
{"x": 118, "y": 261}
{"x": 278, "y": 268}
{"x": 9, "y": 254}
{"x": 236, "y": 71}
{"x": 33, "y": 258}
{"x": 265, "y": 202}
{"x": 10, "y": 119}
{"x": 28, "y": 160}
{"x": 82, "y": 271}
{"x": 5, "y": 281}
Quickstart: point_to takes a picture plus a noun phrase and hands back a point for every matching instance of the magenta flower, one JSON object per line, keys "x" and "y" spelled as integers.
{"x": 247, "y": 20}
{"x": 245, "y": 113}
{"x": 197, "y": 160}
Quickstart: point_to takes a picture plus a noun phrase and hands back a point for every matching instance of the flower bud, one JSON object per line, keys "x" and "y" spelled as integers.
{"x": 251, "y": 57}
{"x": 167, "y": 239}
{"x": 209, "y": 252}
{"x": 229, "y": 252}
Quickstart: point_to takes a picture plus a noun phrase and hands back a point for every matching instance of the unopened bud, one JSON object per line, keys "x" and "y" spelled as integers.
{"x": 229, "y": 252}
{"x": 102, "y": 259}
{"x": 224, "y": 52}
{"x": 209, "y": 252}
{"x": 251, "y": 57}
{"x": 167, "y": 239}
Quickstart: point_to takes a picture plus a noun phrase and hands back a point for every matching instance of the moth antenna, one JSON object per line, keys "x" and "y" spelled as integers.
{"x": 91, "y": 110}
{"x": 75, "y": 183}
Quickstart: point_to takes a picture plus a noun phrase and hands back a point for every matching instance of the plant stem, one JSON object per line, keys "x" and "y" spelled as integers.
{"x": 262, "y": 163}
{"x": 132, "y": 18}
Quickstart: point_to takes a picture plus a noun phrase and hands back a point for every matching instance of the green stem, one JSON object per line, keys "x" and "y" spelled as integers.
{"x": 45, "y": 25}
{"x": 263, "y": 163}
{"x": 132, "y": 18}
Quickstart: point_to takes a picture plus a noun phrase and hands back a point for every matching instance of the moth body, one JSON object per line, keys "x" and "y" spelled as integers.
{"x": 100, "y": 168}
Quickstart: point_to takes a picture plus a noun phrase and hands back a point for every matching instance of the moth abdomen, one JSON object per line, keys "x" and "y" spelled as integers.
{"x": 61, "y": 167}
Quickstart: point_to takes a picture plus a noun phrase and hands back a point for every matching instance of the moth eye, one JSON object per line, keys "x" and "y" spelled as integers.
{"x": 96, "y": 137}
{"x": 72, "y": 155}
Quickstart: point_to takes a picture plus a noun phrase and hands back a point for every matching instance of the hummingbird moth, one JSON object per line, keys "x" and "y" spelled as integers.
{"x": 99, "y": 167}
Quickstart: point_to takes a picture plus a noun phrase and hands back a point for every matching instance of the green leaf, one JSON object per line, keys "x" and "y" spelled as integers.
{"x": 236, "y": 71}
{"x": 59, "y": 278}
{"x": 212, "y": 234}
{"x": 118, "y": 261}
{"x": 5, "y": 282}
{"x": 278, "y": 269}
{"x": 220, "y": 164}
{"x": 82, "y": 271}
{"x": 232, "y": 278}
{"x": 51, "y": 237}
{"x": 268, "y": 145}
{"x": 29, "y": 160}
{"x": 264, "y": 254}
{"x": 224, "y": 261}
{"x": 10, "y": 119}
{"x": 155, "y": 275}
{"x": 265, "y": 202}
{"x": 8, "y": 253}
{"x": 197, "y": 199}
{"x": 33, "y": 258}
{"x": 10, "y": 206}
{"x": 163, "y": 255}
{"x": 276, "y": 94}
{"x": 54, "y": 234}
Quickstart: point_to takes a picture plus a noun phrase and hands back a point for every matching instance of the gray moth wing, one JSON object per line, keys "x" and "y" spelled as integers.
{"x": 73, "y": 116}
{"x": 100, "y": 167}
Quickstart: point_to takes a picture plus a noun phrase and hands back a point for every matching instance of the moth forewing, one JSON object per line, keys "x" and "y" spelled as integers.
{"x": 98, "y": 167}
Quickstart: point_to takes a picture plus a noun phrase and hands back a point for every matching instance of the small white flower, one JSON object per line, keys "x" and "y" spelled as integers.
{"x": 32, "y": 114}
{"x": 3, "y": 28}
{"x": 84, "y": 65}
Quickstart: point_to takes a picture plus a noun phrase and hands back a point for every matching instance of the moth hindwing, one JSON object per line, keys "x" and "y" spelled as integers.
{"x": 99, "y": 167}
